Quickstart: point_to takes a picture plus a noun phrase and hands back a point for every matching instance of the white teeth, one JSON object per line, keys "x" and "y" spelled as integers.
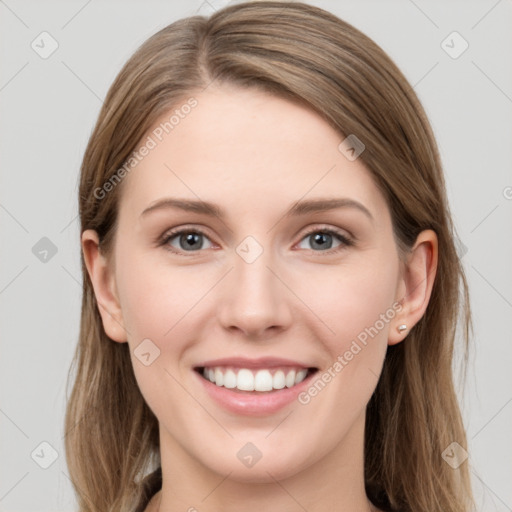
{"x": 301, "y": 375}
{"x": 278, "y": 381}
{"x": 263, "y": 381}
{"x": 245, "y": 380}
{"x": 290, "y": 379}
{"x": 230, "y": 379}
{"x": 255, "y": 380}
{"x": 219, "y": 377}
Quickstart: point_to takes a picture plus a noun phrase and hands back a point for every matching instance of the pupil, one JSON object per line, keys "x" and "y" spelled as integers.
{"x": 320, "y": 239}
{"x": 190, "y": 239}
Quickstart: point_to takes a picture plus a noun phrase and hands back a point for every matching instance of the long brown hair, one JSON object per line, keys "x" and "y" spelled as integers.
{"x": 308, "y": 55}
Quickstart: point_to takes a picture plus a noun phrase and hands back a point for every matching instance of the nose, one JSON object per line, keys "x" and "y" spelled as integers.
{"x": 254, "y": 301}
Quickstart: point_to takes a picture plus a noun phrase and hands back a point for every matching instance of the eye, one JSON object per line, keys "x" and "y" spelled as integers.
{"x": 190, "y": 240}
{"x": 187, "y": 240}
{"x": 322, "y": 240}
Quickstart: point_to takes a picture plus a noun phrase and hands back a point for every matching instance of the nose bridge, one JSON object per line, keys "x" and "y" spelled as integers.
{"x": 252, "y": 275}
{"x": 254, "y": 283}
{"x": 254, "y": 299}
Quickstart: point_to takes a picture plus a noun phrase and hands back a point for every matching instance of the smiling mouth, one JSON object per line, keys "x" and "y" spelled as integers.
{"x": 263, "y": 380}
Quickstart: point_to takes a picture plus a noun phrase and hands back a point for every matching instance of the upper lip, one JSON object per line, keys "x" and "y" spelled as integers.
{"x": 261, "y": 362}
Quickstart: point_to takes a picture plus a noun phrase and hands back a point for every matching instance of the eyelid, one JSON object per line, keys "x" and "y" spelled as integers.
{"x": 346, "y": 239}
{"x": 330, "y": 229}
{"x": 173, "y": 232}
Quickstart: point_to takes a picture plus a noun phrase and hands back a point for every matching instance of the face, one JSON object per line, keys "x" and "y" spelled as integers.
{"x": 271, "y": 291}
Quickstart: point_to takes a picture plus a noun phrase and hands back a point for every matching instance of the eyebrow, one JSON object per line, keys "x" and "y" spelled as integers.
{"x": 297, "y": 209}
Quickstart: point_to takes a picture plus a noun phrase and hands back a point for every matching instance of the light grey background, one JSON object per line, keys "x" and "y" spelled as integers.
{"x": 48, "y": 108}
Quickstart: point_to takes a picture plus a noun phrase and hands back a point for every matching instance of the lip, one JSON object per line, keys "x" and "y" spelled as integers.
{"x": 253, "y": 403}
{"x": 262, "y": 362}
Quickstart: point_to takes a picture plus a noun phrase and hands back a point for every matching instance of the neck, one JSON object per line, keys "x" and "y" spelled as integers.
{"x": 333, "y": 482}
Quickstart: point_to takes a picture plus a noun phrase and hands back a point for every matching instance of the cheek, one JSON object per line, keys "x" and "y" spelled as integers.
{"x": 362, "y": 314}
{"x": 157, "y": 303}
{"x": 156, "y": 297}
{"x": 358, "y": 308}
{"x": 356, "y": 303}
{"x": 352, "y": 300}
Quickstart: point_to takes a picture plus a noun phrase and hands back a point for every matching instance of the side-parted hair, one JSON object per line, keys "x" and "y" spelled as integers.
{"x": 307, "y": 55}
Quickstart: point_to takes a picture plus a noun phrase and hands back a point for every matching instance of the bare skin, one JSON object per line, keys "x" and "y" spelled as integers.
{"x": 255, "y": 155}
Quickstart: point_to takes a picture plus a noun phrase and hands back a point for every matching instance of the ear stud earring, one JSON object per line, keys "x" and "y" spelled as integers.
{"x": 401, "y": 328}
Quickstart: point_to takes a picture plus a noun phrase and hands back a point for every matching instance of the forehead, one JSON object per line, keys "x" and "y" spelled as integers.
{"x": 246, "y": 148}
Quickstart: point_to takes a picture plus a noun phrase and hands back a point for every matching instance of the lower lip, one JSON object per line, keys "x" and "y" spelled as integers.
{"x": 253, "y": 403}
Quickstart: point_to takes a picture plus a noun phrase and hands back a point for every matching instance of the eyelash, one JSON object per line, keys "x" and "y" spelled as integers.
{"x": 169, "y": 235}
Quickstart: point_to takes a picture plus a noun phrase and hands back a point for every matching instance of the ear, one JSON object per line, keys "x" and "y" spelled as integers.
{"x": 102, "y": 278}
{"x": 416, "y": 283}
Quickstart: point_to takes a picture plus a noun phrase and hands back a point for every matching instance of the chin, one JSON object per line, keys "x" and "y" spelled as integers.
{"x": 267, "y": 469}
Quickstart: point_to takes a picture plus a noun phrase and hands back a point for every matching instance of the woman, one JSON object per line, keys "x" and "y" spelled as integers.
{"x": 271, "y": 285}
